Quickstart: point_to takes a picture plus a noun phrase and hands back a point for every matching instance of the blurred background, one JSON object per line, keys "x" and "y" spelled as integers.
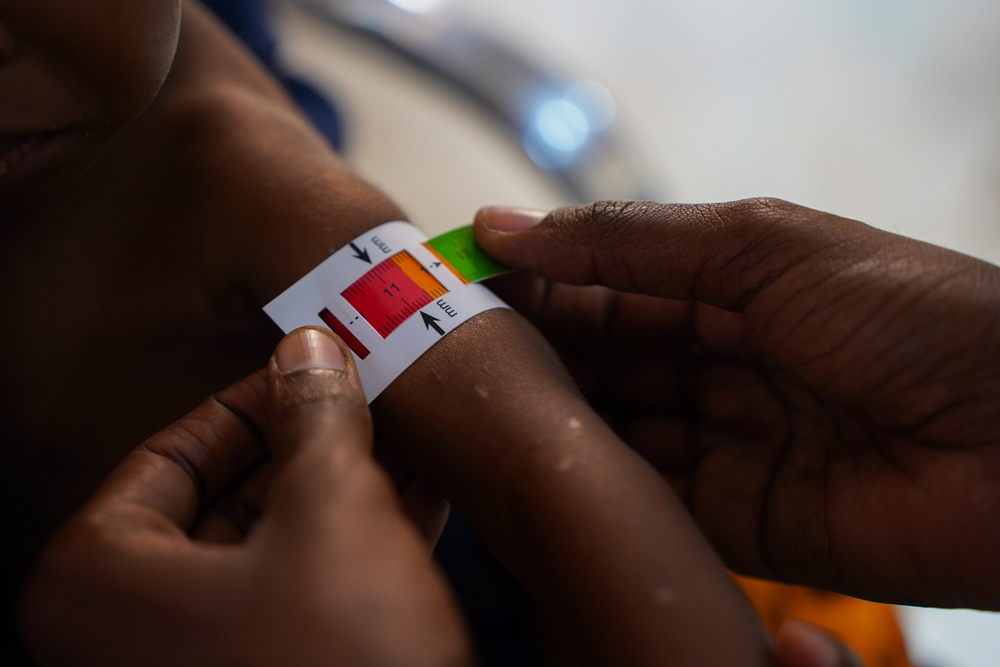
{"x": 887, "y": 111}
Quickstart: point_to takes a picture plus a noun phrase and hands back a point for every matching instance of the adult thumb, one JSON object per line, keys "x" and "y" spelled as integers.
{"x": 319, "y": 430}
{"x": 720, "y": 254}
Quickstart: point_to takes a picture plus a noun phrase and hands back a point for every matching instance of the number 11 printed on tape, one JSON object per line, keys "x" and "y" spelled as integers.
{"x": 391, "y": 295}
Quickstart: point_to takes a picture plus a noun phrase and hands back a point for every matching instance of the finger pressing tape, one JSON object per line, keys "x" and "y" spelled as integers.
{"x": 391, "y": 294}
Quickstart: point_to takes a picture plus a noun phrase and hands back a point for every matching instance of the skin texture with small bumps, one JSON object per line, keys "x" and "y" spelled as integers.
{"x": 329, "y": 571}
{"x": 139, "y": 283}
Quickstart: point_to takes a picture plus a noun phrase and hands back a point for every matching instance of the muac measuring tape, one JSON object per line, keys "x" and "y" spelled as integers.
{"x": 391, "y": 294}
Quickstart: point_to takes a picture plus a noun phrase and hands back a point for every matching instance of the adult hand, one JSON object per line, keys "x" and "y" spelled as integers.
{"x": 824, "y": 394}
{"x": 332, "y": 573}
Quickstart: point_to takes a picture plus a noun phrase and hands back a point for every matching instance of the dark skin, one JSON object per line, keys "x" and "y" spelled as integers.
{"x": 835, "y": 386}
{"x": 332, "y": 573}
{"x": 138, "y": 287}
{"x": 130, "y": 262}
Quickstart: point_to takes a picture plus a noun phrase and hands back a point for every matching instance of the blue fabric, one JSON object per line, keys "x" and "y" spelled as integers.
{"x": 249, "y": 21}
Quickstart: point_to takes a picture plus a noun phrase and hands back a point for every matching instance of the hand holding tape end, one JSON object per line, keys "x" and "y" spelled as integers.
{"x": 370, "y": 291}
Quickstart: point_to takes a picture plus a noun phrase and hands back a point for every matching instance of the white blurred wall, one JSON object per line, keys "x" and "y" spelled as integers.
{"x": 883, "y": 110}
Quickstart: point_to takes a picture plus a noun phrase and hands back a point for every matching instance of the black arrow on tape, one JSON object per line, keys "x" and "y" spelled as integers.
{"x": 431, "y": 322}
{"x": 361, "y": 254}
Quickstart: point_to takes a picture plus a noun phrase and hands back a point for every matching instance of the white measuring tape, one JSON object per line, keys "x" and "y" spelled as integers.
{"x": 391, "y": 294}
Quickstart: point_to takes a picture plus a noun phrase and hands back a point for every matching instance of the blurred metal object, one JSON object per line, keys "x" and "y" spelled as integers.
{"x": 566, "y": 127}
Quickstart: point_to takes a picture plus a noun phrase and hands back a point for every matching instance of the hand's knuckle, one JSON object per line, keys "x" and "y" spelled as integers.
{"x": 601, "y": 220}
{"x": 769, "y": 208}
{"x": 369, "y": 478}
{"x": 328, "y": 401}
{"x": 754, "y": 213}
{"x": 756, "y": 241}
{"x": 246, "y": 399}
{"x": 610, "y": 211}
{"x": 313, "y": 388}
{"x": 190, "y": 444}
{"x": 603, "y": 235}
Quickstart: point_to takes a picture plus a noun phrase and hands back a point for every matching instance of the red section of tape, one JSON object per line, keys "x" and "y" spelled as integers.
{"x": 357, "y": 347}
{"x": 393, "y": 291}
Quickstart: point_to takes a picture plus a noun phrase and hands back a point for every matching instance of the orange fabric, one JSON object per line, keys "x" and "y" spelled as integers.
{"x": 869, "y": 628}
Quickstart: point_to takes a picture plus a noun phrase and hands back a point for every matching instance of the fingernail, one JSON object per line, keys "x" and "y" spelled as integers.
{"x": 504, "y": 219}
{"x": 308, "y": 348}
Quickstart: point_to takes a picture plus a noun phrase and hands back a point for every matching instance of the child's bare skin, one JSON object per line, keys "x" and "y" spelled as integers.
{"x": 147, "y": 260}
{"x": 135, "y": 290}
{"x": 332, "y": 554}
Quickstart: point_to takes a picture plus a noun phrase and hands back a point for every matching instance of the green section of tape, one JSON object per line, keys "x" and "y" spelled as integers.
{"x": 458, "y": 248}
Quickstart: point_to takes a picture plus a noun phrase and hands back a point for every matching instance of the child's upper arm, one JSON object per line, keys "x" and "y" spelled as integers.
{"x": 490, "y": 415}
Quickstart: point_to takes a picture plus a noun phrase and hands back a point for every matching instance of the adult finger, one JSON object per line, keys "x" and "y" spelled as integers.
{"x": 128, "y": 545}
{"x": 231, "y": 517}
{"x": 178, "y": 471}
{"x": 719, "y": 254}
{"x": 799, "y": 644}
{"x": 320, "y": 432}
{"x": 425, "y": 506}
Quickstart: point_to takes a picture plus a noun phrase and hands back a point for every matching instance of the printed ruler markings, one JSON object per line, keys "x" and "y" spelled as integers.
{"x": 449, "y": 265}
{"x": 392, "y": 291}
{"x": 419, "y": 274}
